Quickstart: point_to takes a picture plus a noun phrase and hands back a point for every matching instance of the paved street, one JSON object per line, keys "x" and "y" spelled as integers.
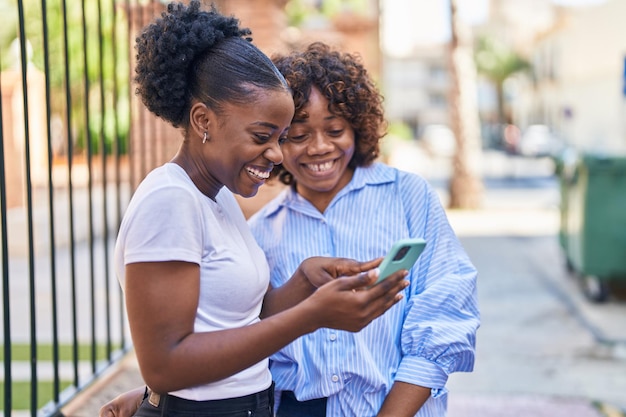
{"x": 543, "y": 349}
{"x": 541, "y": 343}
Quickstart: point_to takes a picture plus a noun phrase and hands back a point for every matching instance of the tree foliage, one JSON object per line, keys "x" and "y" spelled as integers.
{"x": 87, "y": 57}
{"x": 497, "y": 61}
{"x": 298, "y": 11}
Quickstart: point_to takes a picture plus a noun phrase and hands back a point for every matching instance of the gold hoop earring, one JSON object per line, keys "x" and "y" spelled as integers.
{"x": 205, "y": 137}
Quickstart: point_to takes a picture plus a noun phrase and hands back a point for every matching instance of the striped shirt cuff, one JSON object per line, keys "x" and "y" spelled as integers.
{"x": 420, "y": 371}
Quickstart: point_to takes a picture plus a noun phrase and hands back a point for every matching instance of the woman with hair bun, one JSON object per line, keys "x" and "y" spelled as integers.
{"x": 196, "y": 283}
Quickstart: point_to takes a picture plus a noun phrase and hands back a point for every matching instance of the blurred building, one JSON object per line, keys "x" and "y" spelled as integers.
{"x": 579, "y": 76}
{"x": 515, "y": 25}
{"x": 518, "y": 22}
{"x": 266, "y": 19}
{"x": 416, "y": 87}
{"x": 576, "y": 86}
{"x": 416, "y": 83}
{"x": 350, "y": 26}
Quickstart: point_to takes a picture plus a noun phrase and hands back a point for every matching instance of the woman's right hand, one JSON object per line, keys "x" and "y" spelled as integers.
{"x": 349, "y": 303}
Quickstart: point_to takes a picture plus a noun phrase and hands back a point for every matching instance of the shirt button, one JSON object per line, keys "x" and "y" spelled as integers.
{"x": 333, "y": 337}
{"x": 334, "y": 378}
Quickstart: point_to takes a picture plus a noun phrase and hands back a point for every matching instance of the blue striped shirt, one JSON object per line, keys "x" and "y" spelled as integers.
{"x": 421, "y": 340}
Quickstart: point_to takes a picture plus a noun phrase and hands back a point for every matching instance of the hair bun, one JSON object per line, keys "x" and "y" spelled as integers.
{"x": 167, "y": 49}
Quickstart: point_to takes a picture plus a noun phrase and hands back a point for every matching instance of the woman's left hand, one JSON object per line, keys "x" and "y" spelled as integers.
{"x": 124, "y": 405}
{"x": 320, "y": 270}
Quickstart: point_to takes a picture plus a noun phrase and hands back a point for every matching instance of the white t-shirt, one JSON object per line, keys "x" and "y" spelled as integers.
{"x": 169, "y": 219}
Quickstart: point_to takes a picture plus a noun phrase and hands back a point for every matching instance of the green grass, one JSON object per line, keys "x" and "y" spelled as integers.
{"x": 21, "y": 394}
{"x": 21, "y": 352}
{"x": 21, "y": 390}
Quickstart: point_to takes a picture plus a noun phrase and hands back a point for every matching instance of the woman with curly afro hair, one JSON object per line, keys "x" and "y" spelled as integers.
{"x": 342, "y": 202}
{"x": 196, "y": 283}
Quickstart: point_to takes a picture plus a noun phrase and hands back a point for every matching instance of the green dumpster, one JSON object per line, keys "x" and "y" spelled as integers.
{"x": 593, "y": 221}
{"x": 566, "y": 172}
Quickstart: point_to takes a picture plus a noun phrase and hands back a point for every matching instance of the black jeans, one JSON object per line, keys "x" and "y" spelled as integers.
{"x": 291, "y": 407}
{"x": 260, "y": 404}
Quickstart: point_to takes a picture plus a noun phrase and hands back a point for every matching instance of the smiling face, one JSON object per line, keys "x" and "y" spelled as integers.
{"x": 318, "y": 152}
{"x": 244, "y": 143}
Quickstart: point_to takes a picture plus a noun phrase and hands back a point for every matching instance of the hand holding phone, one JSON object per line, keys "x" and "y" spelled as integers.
{"x": 403, "y": 255}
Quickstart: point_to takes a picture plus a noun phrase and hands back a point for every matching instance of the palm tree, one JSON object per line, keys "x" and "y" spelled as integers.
{"x": 466, "y": 187}
{"x": 497, "y": 62}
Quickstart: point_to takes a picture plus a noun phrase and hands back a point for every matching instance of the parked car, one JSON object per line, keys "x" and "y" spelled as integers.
{"x": 539, "y": 140}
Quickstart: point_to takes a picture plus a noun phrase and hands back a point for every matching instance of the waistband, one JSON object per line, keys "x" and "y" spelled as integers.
{"x": 261, "y": 398}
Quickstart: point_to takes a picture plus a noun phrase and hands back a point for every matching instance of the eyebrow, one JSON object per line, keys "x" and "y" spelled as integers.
{"x": 270, "y": 126}
{"x": 304, "y": 119}
{"x": 266, "y": 124}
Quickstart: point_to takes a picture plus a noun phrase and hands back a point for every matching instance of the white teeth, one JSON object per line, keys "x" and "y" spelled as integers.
{"x": 320, "y": 167}
{"x": 260, "y": 174}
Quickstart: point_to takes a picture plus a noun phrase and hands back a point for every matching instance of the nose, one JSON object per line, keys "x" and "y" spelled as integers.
{"x": 273, "y": 153}
{"x": 319, "y": 145}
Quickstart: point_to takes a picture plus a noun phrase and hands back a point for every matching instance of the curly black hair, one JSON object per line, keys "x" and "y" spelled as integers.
{"x": 351, "y": 94}
{"x": 191, "y": 53}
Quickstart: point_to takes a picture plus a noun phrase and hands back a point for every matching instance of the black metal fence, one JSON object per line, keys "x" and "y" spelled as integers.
{"x": 68, "y": 119}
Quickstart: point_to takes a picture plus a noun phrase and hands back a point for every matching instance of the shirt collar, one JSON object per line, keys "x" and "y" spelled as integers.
{"x": 374, "y": 174}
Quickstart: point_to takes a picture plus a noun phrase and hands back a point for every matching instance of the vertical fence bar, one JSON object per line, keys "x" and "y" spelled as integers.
{"x": 129, "y": 142}
{"x": 149, "y": 129}
{"x": 140, "y": 139}
{"x": 53, "y": 277}
{"x": 103, "y": 157}
{"x": 6, "y": 301}
{"x": 130, "y": 16}
{"x": 29, "y": 213}
{"x": 88, "y": 140}
{"x": 116, "y": 151}
{"x": 70, "y": 192}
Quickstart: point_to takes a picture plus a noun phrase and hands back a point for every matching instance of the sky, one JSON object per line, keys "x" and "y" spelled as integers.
{"x": 416, "y": 22}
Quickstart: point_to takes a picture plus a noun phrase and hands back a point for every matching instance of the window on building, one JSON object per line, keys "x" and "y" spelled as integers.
{"x": 438, "y": 100}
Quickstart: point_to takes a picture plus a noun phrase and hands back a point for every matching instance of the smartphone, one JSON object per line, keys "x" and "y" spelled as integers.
{"x": 403, "y": 255}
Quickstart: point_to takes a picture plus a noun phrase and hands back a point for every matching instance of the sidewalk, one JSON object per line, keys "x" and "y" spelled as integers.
{"x": 543, "y": 349}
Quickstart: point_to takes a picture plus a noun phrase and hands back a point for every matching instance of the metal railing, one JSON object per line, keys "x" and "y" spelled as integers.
{"x": 69, "y": 120}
